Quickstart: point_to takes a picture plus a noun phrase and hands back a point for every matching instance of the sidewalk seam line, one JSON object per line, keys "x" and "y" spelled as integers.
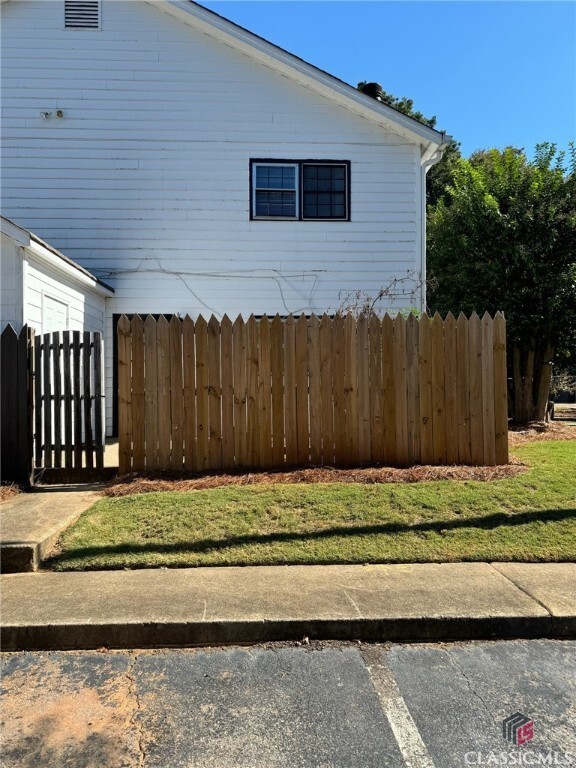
{"x": 524, "y": 591}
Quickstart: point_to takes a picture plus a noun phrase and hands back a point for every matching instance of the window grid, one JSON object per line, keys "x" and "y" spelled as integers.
{"x": 275, "y": 191}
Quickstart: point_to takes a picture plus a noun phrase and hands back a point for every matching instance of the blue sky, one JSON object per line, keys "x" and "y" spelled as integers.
{"x": 494, "y": 73}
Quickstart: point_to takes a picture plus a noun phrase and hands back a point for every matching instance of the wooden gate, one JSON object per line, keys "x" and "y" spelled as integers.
{"x": 68, "y": 419}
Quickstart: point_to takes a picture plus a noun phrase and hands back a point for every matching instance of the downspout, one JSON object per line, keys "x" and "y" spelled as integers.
{"x": 424, "y": 168}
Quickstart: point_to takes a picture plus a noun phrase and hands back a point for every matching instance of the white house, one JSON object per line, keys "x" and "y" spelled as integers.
{"x": 42, "y": 288}
{"x": 197, "y": 168}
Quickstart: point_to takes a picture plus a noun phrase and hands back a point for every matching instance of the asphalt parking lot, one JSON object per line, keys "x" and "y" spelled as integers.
{"x": 319, "y": 705}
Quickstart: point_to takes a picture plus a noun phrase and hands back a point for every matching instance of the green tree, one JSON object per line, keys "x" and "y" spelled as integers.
{"x": 440, "y": 175}
{"x": 504, "y": 238}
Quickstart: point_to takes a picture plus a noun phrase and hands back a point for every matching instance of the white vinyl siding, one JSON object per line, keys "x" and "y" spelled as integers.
{"x": 145, "y": 179}
{"x": 11, "y": 284}
{"x": 55, "y": 302}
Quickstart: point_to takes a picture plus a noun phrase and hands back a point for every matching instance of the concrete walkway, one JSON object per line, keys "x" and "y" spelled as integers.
{"x": 32, "y": 522}
{"x": 213, "y": 606}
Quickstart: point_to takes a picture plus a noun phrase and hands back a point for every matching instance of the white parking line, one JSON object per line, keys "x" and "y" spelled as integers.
{"x": 404, "y": 728}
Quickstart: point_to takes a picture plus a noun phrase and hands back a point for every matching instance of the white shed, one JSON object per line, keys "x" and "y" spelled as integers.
{"x": 44, "y": 289}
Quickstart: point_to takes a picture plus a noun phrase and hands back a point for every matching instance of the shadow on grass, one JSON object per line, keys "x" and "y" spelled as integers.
{"x": 487, "y": 522}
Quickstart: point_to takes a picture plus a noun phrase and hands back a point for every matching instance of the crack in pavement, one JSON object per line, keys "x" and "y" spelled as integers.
{"x": 468, "y": 683}
{"x": 133, "y": 692}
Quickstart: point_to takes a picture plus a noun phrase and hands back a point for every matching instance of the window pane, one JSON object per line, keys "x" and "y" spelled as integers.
{"x": 275, "y": 177}
{"x": 281, "y": 204}
{"x": 324, "y": 191}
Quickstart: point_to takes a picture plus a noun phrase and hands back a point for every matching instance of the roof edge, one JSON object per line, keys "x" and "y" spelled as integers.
{"x": 288, "y": 63}
{"x": 25, "y": 239}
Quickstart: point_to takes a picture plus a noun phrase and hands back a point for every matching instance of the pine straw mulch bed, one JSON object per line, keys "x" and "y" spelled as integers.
{"x": 540, "y": 430}
{"x": 138, "y": 483}
{"x": 8, "y": 491}
{"x": 166, "y": 481}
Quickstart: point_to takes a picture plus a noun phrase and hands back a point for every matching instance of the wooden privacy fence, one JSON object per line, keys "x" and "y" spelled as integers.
{"x": 68, "y": 400}
{"x": 16, "y": 398}
{"x": 200, "y": 396}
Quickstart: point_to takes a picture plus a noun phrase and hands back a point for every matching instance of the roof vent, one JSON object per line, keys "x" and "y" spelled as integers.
{"x": 372, "y": 89}
{"x": 82, "y": 14}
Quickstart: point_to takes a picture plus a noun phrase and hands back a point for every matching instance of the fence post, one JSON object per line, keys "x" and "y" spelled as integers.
{"x": 17, "y": 391}
{"x": 500, "y": 389}
{"x": 124, "y": 395}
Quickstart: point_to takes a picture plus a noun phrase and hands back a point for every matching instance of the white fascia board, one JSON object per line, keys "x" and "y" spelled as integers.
{"x": 306, "y": 74}
{"x": 46, "y": 257}
{"x": 20, "y": 236}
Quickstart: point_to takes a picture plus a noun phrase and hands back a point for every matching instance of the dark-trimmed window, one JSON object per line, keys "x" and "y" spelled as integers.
{"x": 304, "y": 190}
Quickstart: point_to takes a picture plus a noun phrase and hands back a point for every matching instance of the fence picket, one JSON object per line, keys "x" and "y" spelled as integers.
{"x": 264, "y": 394}
{"x": 438, "y": 391}
{"x": 363, "y": 374}
{"x": 77, "y": 368}
{"x": 99, "y": 427}
{"x": 38, "y": 404}
{"x": 66, "y": 351}
{"x": 376, "y": 403}
{"x": 301, "y": 363}
{"x": 124, "y": 394}
{"x": 47, "y": 400}
{"x": 227, "y": 393}
{"x": 239, "y": 356}
{"x": 315, "y": 391}
{"x": 138, "y": 399}
{"x": 338, "y": 391}
{"x": 451, "y": 382}
{"x": 277, "y": 363}
{"x": 164, "y": 431}
{"x": 413, "y": 389}
{"x": 290, "y": 412}
{"x": 500, "y": 390}
{"x": 252, "y": 391}
{"x": 202, "y": 404}
{"x": 351, "y": 388}
{"x": 488, "y": 430}
{"x": 151, "y": 392}
{"x": 214, "y": 395}
{"x": 425, "y": 388}
{"x": 388, "y": 391}
{"x": 399, "y": 363}
{"x": 463, "y": 389}
{"x": 57, "y": 395}
{"x": 475, "y": 363}
{"x": 189, "y": 393}
{"x": 176, "y": 394}
{"x": 327, "y": 408}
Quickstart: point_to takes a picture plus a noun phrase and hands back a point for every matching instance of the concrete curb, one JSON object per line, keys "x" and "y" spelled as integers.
{"x": 220, "y": 606}
{"x": 189, "y": 634}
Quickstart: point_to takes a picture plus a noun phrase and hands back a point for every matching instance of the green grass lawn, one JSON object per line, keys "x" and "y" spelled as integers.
{"x": 531, "y": 517}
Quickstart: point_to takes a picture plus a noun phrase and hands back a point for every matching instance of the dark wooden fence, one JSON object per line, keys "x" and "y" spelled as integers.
{"x": 52, "y": 402}
{"x": 215, "y": 395}
{"x": 16, "y": 381}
